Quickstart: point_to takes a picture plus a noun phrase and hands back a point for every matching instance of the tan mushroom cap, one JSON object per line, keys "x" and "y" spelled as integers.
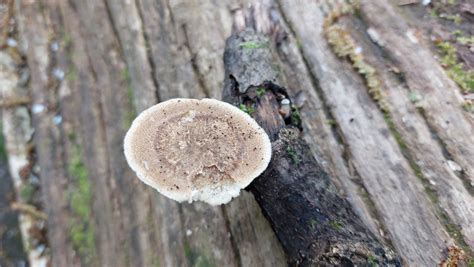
{"x": 191, "y": 149}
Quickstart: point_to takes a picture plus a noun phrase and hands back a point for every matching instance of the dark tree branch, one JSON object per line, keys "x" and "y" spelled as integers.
{"x": 315, "y": 225}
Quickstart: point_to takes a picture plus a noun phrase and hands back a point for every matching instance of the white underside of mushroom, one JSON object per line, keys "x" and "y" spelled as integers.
{"x": 197, "y": 150}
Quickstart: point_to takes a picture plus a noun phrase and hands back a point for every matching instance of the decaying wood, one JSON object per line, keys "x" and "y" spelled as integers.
{"x": 367, "y": 135}
{"x": 94, "y": 64}
{"x": 124, "y": 222}
{"x": 11, "y": 248}
{"x": 314, "y": 224}
{"x": 441, "y": 100}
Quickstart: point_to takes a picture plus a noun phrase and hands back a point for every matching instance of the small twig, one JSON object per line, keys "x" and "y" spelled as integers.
{"x": 14, "y": 101}
{"x": 407, "y": 2}
{"x": 30, "y": 210}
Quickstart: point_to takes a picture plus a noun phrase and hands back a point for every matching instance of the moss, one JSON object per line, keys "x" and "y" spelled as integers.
{"x": 372, "y": 260}
{"x": 247, "y": 109}
{"x": 126, "y": 75}
{"x": 253, "y": 45}
{"x": 465, "y": 40}
{"x": 341, "y": 10}
{"x": 195, "y": 258}
{"x": 295, "y": 115}
{"x": 336, "y": 225}
{"x": 298, "y": 43}
{"x": 67, "y": 39}
{"x": 312, "y": 223}
{"x": 155, "y": 261}
{"x": 344, "y": 46}
{"x": 454, "y": 68}
{"x": 71, "y": 74}
{"x": 468, "y": 106}
{"x": 414, "y": 97}
{"x": 132, "y": 114}
{"x": 331, "y": 122}
{"x": 260, "y": 91}
{"x": 456, "y": 18}
{"x": 26, "y": 192}
{"x": 81, "y": 228}
{"x": 434, "y": 13}
{"x": 293, "y": 155}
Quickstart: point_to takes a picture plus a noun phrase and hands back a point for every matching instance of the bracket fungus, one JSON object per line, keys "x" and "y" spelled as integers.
{"x": 191, "y": 149}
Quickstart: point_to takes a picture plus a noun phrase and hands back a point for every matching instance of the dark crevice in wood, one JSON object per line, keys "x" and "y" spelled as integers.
{"x": 62, "y": 131}
{"x": 148, "y": 52}
{"x": 451, "y": 228}
{"x": 194, "y": 64}
{"x": 235, "y": 247}
{"x": 339, "y": 136}
{"x": 110, "y": 18}
{"x": 184, "y": 237}
{"x": 446, "y": 153}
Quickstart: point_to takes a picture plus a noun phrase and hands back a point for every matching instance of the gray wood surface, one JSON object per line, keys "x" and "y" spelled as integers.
{"x": 406, "y": 165}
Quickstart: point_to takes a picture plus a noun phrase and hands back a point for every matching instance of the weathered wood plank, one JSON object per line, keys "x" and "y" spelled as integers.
{"x": 11, "y": 246}
{"x": 96, "y": 72}
{"x": 214, "y": 19}
{"x": 169, "y": 54}
{"x": 35, "y": 31}
{"x": 86, "y": 148}
{"x": 204, "y": 227}
{"x": 120, "y": 56}
{"x": 402, "y": 203}
{"x": 319, "y": 130}
{"x": 425, "y": 152}
{"x": 441, "y": 100}
{"x": 163, "y": 221}
{"x": 128, "y": 198}
{"x": 249, "y": 229}
{"x": 15, "y": 138}
{"x": 128, "y": 24}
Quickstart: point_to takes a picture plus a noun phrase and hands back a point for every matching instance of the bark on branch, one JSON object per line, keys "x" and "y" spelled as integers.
{"x": 315, "y": 225}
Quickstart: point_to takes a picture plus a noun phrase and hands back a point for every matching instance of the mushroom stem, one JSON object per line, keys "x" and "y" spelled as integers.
{"x": 314, "y": 223}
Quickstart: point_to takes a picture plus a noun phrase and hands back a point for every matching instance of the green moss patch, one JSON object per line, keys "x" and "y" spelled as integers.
{"x": 336, "y": 225}
{"x": 295, "y": 115}
{"x": 293, "y": 155}
{"x": 81, "y": 228}
{"x": 455, "y": 69}
{"x": 344, "y": 46}
{"x": 260, "y": 91}
{"x": 253, "y": 45}
{"x": 247, "y": 109}
{"x": 196, "y": 259}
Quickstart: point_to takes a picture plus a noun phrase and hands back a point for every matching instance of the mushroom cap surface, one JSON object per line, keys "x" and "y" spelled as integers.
{"x": 191, "y": 149}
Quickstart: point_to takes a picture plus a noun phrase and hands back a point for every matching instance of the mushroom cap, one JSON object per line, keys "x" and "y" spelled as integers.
{"x": 191, "y": 149}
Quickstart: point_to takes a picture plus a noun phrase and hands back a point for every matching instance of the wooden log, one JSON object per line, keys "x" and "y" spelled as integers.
{"x": 315, "y": 225}
{"x": 396, "y": 191}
